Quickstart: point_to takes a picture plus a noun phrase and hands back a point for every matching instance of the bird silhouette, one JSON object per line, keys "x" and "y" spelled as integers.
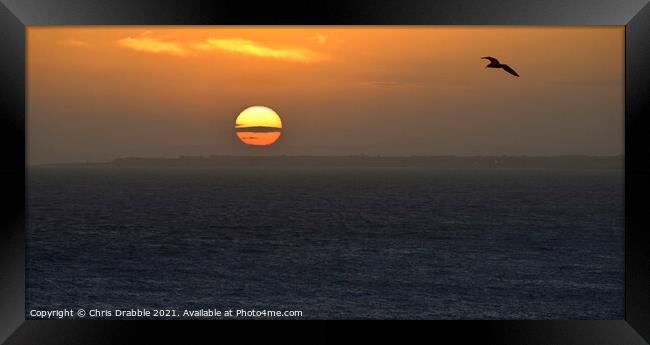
{"x": 494, "y": 63}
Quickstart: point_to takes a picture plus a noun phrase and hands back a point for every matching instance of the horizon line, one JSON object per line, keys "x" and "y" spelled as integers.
{"x": 361, "y": 155}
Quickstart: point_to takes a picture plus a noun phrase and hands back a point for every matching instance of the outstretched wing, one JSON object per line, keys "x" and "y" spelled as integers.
{"x": 492, "y": 60}
{"x": 510, "y": 70}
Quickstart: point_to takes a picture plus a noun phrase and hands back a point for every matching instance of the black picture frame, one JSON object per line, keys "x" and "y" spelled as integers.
{"x": 15, "y": 15}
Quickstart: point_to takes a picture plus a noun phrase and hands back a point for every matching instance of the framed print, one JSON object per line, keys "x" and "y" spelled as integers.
{"x": 326, "y": 161}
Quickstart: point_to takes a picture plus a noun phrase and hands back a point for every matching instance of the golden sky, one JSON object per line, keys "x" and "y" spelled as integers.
{"x": 101, "y": 92}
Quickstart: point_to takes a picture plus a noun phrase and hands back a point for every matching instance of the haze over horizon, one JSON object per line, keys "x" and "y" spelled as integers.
{"x": 105, "y": 92}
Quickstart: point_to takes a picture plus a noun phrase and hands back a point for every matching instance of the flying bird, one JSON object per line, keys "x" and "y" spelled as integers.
{"x": 494, "y": 63}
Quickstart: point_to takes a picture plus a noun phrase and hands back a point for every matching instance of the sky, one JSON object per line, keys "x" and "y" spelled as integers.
{"x": 96, "y": 93}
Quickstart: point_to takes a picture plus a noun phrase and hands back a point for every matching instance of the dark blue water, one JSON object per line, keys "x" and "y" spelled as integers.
{"x": 338, "y": 243}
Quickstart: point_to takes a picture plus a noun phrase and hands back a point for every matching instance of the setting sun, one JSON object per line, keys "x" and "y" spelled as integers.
{"x": 258, "y": 125}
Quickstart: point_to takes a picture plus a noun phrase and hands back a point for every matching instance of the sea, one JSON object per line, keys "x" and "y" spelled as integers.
{"x": 331, "y": 243}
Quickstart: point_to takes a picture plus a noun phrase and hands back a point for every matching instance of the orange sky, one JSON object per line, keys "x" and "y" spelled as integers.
{"x": 98, "y": 93}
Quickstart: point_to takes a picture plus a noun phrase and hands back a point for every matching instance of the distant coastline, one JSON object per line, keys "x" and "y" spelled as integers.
{"x": 363, "y": 161}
